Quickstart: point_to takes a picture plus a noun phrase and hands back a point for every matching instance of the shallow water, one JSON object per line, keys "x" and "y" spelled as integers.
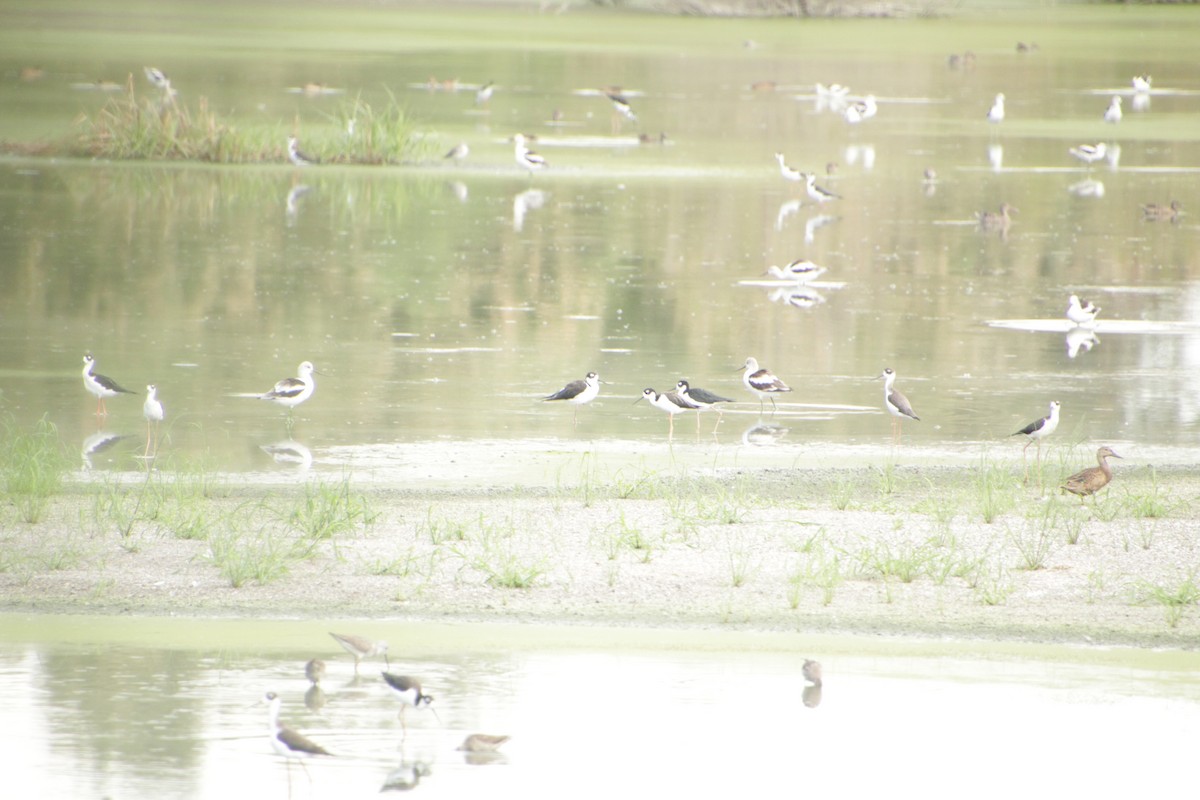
{"x": 111, "y": 707}
{"x": 440, "y": 302}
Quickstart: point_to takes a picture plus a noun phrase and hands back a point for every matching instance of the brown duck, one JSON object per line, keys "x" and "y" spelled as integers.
{"x": 1092, "y": 479}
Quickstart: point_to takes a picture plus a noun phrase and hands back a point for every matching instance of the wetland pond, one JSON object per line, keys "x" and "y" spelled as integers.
{"x": 441, "y": 300}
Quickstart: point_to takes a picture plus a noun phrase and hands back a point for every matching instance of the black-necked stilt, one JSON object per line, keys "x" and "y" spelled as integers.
{"x": 1081, "y": 312}
{"x": 409, "y": 691}
{"x": 996, "y": 220}
{"x": 1092, "y": 479}
{"x": 1153, "y": 212}
{"x": 789, "y": 173}
{"x": 484, "y": 93}
{"x": 525, "y": 157}
{"x": 152, "y": 410}
{"x": 578, "y": 392}
{"x": 102, "y": 386}
{"x": 287, "y": 742}
{"x": 1141, "y": 83}
{"x": 314, "y": 670}
{"x": 817, "y": 193}
{"x": 701, "y": 400}
{"x": 896, "y": 403}
{"x": 361, "y": 647}
{"x": 669, "y": 402}
{"x": 1112, "y": 114}
{"x": 996, "y": 112}
{"x": 296, "y": 155}
{"x": 482, "y": 743}
{"x": 861, "y": 111}
{"x": 1089, "y": 153}
{"x": 800, "y": 270}
{"x": 458, "y": 152}
{"x": 1035, "y": 432}
{"x": 291, "y": 392}
{"x": 762, "y": 383}
{"x": 621, "y": 105}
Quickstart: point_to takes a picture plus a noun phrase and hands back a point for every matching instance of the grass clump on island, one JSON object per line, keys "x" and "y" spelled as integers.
{"x": 165, "y": 127}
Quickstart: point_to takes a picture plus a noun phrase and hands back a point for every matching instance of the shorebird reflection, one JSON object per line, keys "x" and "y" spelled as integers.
{"x": 526, "y": 201}
{"x": 1080, "y": 340}
{"x": 764, "y": 435}
{"x": 289, "y": 451}
{"x": 97, "y": 443}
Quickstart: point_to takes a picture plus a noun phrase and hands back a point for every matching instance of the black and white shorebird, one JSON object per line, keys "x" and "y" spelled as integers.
{"x": 102, "y": 386}
{"x": 1112, "y": 114}
{"x": 817, "y": 193}
{"x": 484, "y": 93}
{"x": 160, "y": 81}
{"x": 861, "y": 110}
{"x": 1081, "y": 312}
{"x": 996, "y": 112}
{"x": 578, "y": 392}
{"x": 296, "y": 155}
{"x": 361, "y": 647}
{"x": 762, "y": 383}
{"x": 152, "y": 410}
{"x": 287, "y": 742}
{"x": 458, "y": 152}
{"x": 789, "y": 173}
{"x": 1089, "y": 153}
{"x": 896, "y": 403}
{"x": 670, "y": 402}
{"x": 1035, "y": 432}
{"x": 408, "y": 689}
{"x": 800, "y": 271}
{"x": 525, "y": 157}
{"x": 701, "y": 400}
{"x": 291, "y": 392}
{"x": 621, "y": 105}
{"x": 1141, "y": 83}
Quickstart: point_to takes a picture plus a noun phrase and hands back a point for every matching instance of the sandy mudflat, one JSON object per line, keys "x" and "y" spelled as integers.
{"x": 820, "y": 550}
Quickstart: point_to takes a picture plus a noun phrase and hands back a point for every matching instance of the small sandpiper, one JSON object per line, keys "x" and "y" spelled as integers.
{"x": 458, "y": 152}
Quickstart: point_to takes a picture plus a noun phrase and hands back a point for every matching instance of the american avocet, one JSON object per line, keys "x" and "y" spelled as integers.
{"x": 1081, "y": 312}
{"x": 484, "y": 93}
{"x": 102, "y": 386}
{"x": 788, "y": 172}
{"x": 1035, "y": 432}
{"x": 482, "y": 743}
{"x": 158, "y": 79}
{"x": 1112, "y": 114}
{"x": 1141, "y": 83}
{"x": 669, "y": 402}
{"x": 361, "y": 647}
{"x": 578, "y": 392}
{"x": 1093, "y": 479}
{"x": 526, "y": 157}
{"x": 1169, "y": 213}
{"x": 152, "y": 410}
{"x": 1089, "y": 153}
{"x": 896, "y": 403}
{"x": 291, "y": 392}
{"x": 818, "y": 193}
{"x": 800, "y": 270}
{"x": 701, "y": 400}
{"x": 296, "y": 155}
{"x": 862, "y": 110}
{"x": 996, "y": 112}
{"x": 458, "y": 152}
{"x": 996, "y": 220}
{"x": 287, "y": 742}
{"x": 408, "y": 689}
{"x": 762, "y": 383}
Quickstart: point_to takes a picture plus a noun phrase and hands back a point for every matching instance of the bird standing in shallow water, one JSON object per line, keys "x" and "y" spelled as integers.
{"x": 578, "y": 392}
{"x": 1092, "y": 479}
{"x": 1081, "y": 312}
{"x": 410, "y": 694}
{"x": 762, "y": 383}
{"x": 1035, "y": 432}
{"x": 152, "y": 410}
{"x": 701, "y": 400}
{"x": 896, "y": 403}
{"x": 996, "y": 112}
{"x": 285, "y": 741}
{"x": 789, "y": 173}
{"x": 818, "y": 193}
{"x": 1112, "y": 114}
{"x": 101, "y": 386}
{"x": 669, "y": 402}
{"x": 525, "y": 157}
{"x": 1089, "y": 153}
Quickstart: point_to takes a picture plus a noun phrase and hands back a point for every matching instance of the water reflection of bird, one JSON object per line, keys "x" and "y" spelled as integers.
{"x": 800, "y": 270}
{"x": 578, "y": 392}
{"x": 896, "y": 403}
{"x": 1092, "y": 479}
{"x": 1087, "y": 188}
{"x": 287, "y": 742}
{"x": 815, "y": 223}
{"x": 669, "y": 402}
{"x": 798, "y": 296}
{"x": 152, "y": 410}
{"x": 97, "y": 443}
{"x": 1035, "y": 432}
{"x": 702, "y": 400}
{"x": 289, "y": 451}
{"x": 1152, "y": 212}
{"x": 1089, "y": 153}
{"x": 763, "y": 435}
{"x": 1112, "y": 114}
{"x": 361, "y": 647}
{"x": 525, "y": 157}
{"x": 1080, "y": 340}
{"x": 292, "y": 202}
{"x": 408, "y": 689}
{"x": 102, "y": 386}
{"x": 762, "y": 382}
{"x": 1081, "y": 312}
{"x": 523, "y": 203}
{"x": 405, "y": 777}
